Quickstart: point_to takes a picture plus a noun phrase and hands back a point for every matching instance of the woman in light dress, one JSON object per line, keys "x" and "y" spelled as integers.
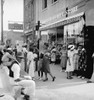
{"x": 63, "y": 58}
{"x": 70, "y": 63}
{"x": 30, "y": 63}
{"x": 75, "y": 59}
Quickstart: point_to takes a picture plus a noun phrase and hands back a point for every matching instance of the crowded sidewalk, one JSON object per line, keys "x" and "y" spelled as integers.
{"x": 61, "y": 79}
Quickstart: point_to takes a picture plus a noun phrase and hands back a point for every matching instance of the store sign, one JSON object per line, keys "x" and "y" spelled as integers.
{"x": 72, "y": 20}
{"x": 72, "y": 10}
{"x": 60, "y": 15}
{"x": 15, "y": 26}
{"x": 68, "y": 21}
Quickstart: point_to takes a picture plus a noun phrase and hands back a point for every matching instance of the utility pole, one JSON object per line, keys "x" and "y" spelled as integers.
{"x": 38, "y": 32}
{"x": 1, "y": 21}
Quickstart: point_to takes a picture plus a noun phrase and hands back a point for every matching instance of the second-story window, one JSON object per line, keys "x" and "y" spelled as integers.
{"x": 44, "y": 4}
{"x": 54, "y": 1}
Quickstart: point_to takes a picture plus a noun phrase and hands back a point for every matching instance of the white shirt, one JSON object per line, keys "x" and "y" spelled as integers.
{"x": 16, "y": 70}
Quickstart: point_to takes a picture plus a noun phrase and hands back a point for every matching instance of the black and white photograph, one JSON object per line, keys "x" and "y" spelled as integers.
{"x": 46, "y": 49}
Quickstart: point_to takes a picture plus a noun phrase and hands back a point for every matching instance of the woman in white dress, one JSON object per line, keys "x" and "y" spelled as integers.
{"x": 30, "y": 62}
{"x": 70, "y": 64}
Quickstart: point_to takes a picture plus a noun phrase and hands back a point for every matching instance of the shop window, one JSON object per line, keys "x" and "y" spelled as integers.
{"x": 54, "y": 1}
{"x": 44, "y": 4}
{"x": 53, "y": 38}
{"x": 72, "y": 32}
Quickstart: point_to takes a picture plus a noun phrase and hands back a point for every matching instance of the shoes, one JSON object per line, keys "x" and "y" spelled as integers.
{"x": 40, "y": 79}
{"x": 33, "y": 78}
{"x": 26, "y": 97}
{"x": 69, "y": 77}
{"x": 89, "y": 81}
{"x": 79, "y": 76}
{"x": 53, "y": 78}
{"x": 83, "y": 78}
{"x": 45, "y": 80}
{"x": 62, "y": 70}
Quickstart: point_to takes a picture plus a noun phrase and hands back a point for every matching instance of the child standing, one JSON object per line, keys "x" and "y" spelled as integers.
{"x": 40, "y": 72}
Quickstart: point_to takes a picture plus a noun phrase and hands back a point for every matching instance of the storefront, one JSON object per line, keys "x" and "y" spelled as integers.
{"x": 73, "y": 29}
{"x": 72, "y": 26}
{"x": 69, "y": 28}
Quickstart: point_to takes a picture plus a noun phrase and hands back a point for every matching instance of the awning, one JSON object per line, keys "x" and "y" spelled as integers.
{"x": 64, "y": 21}
{"x": 28, "y": 32}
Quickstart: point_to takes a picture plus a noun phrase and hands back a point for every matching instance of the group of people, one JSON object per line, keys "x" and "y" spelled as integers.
{"x": 38, "y": 62}
{"x": 74, "y": 61}
{"x": 10, "y": 76}
{"x": 44, "y": 66}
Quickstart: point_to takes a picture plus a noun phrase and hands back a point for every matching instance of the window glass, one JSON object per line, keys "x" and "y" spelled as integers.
{"x": 44, "y": 4}
{"x": 54, "y": 1}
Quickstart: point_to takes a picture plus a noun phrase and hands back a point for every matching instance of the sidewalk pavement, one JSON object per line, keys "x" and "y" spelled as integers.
{"x": 62, "y": 88}
{"x": 61, "y": 80}
{"x": 78, "y": 92}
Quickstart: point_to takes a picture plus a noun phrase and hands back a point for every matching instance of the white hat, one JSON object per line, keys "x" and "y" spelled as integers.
{"x": 9, "y": 49}
{"x": 72, "y": 47}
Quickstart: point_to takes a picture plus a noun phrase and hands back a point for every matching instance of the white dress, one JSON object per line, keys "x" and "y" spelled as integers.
{"x": 30, "y": 58}
{"x": 70, "y": 67}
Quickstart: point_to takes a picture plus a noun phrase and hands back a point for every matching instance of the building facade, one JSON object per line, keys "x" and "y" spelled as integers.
{"x": 63, "y": 20}
{"x": 29, "y": 20}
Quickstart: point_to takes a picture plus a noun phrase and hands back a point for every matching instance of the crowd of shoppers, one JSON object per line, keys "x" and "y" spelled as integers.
{"x": 72, "y": 59}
